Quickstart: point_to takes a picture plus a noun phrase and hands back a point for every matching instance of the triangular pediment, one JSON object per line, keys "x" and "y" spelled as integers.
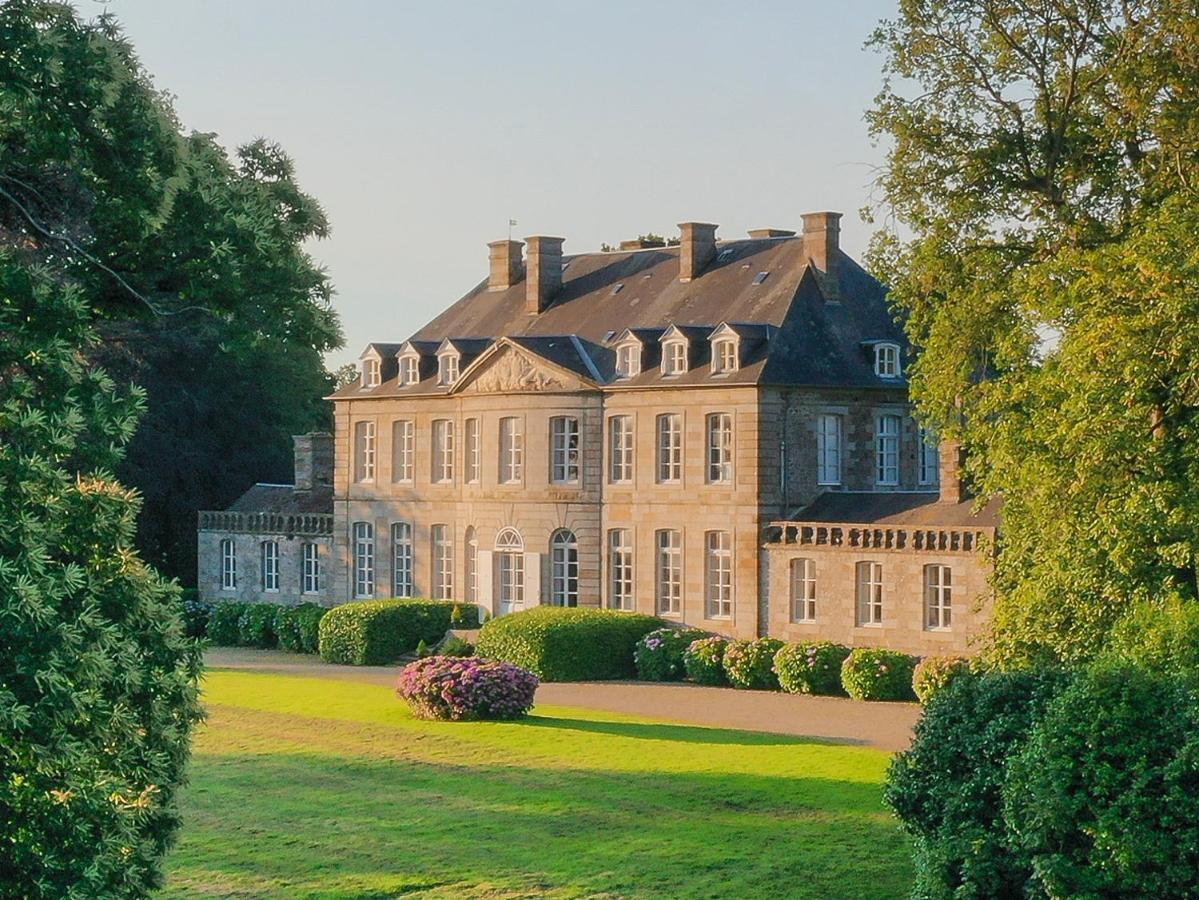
{"x": 507, "y": 369}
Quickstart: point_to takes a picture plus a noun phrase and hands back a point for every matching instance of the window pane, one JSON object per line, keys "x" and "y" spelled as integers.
{"x": 364, "y": 559}
{"x": 828, "y": 449}
{"x": 401, "y": 560}
{"x": 620, "y": 569}
{"x": 669, "y": 575}
{"x": 364, "y": 451}
{"x": 670, "y": 447}
{"x": 803, "y": 590}
{"x": 870, "y": 593}
{"x": 564, "y": 450}
{"x": 887, "y": 450}
{"x": 720, "y": 448}
{"x": 620, "y": 448}
{"x": 719, "y": 574}
{"x": 443, "y": 563}
{"x": 403, "y": 450}
{"x": 511, "y": 450}
{"x": 564, "y": 569}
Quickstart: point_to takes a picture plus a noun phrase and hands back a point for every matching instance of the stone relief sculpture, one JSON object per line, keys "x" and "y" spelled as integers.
{"x": 514, "y": 372}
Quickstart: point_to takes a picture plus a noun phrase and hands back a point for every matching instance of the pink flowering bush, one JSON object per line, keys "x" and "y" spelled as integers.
{"x": 873, "y": 674}
{"x": 659, "y": 655}
{"x": 934, "y": 672}
{"x": 810, "y": 667}
{"x": 461, "y": 688}
{"x": 750, "y": 664}
{"x": 704, "y": 660}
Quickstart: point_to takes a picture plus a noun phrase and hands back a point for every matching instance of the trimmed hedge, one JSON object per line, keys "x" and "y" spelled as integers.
{"x": 378, "y": 632}
{"x": 704, "y": 661}
{"x": 869, "y": 673}
{"x": 811, "y": 667}
{"x": 298, "y": 627}
{"x": 659, "y": 655}
{"x": 750, "y": 664}
{"x": 933, "y": 673}
{"x": 224, "y": 625}
{"x": 558, "y": 644}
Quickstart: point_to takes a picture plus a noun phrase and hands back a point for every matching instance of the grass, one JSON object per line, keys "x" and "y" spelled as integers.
{"x": 306, "y": 787}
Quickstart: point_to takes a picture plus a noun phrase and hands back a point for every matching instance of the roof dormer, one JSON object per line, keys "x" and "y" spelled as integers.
{"x": 726, "y": 349}
{"x": 371, "y": 364}
{"x": 628, "y": 349}
{"x": 887, "y": 361}
{"x": 449, "y": 363}
{"x": 676, "y": 352}
{"x": 409, "y": 362}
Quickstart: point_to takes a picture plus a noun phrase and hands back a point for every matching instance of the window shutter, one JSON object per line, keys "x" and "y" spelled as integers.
{"x": 483, "y": 577}
{"x": 532, "y": 580}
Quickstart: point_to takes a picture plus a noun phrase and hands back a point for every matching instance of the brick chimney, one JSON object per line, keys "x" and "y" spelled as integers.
{"x": 544, "y": 276}
{"x": 950, "y": 475}
{"x": 314, "y": 460}
{"x": 821, "y": 245}
{"x": 506, "y": 265}
{"x": 697, "y": 248}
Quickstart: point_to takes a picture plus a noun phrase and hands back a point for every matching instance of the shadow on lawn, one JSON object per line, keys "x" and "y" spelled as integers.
{"x": 691, "y": 734}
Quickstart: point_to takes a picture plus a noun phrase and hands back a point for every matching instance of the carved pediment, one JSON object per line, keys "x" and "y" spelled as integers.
{"x": 511, "y": 371}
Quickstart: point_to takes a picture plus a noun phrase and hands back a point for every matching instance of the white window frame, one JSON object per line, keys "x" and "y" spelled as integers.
{"x": 473, "y": 453}
{"x": 409, "y": 370}
{"x": 372, "y": 373}
{"x": 228, "y": 564}
{"x": 364, "y": 560}
{"x": 887, "y": 430}
{"x": 718, "y": 574}
{"x": 720, "y": 438}
{"x": 803, "y": 589}
{"x": 724, "y": 356}
{"x": 828, "y": 449}
{"x": 269, "y": 554}
{"x": 564, "y": 568}
{"x": 403, "y": 451}
{"x": 628, "y": 360}
{"x": 472, "y": 564}
{"x": 668, "y": 572}
{"x": 441, "y": 539}
{"x": 443, "y": 451}
{"x": 512, "y": 450}
{"x": 674, "y": 358}
{"x": 886, "y": 360}
{"x": 364, "y": 451}
{"x": 510, "y": 568}
{"x": 938, "y": 597}
{"x": 868, "y": 584}
{"x": 620, "y": 569}
{"x": 447, "y": 369}
{"x": 930, "y": 457}
{"x": 565, "y": 453}
{"x": 310, "y": 571}
{"x": 620, "y": 449}
{"x": 403, "y": 560}
{"x": 669, "y": 431}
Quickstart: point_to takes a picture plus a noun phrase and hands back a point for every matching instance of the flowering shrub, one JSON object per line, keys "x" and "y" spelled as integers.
{"x": 810, "y": 667}
{"x": 872, "y": 674}
{"x": 704, "y": 660}
{"x": 750, "y": 664}
{"x": 460, "y": 688}
{"x": 934, "y": 672}
{"x": 224, "y": 628}
{"x": 196, "y": 613}
{"x": 298, "y": 627}
{"x": 256, "y": 627}
{"x": 659, "y": 655}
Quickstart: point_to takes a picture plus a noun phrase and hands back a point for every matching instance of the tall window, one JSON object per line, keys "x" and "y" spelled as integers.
{"x": 510, "y": 565}
{"x": 886, "y": 360}
{"x": 512, "y": 450}
{"x": 403, "y": 450}
{"x": 628, "y": 360}
{"x": 938, "y": 596}
{"x": 724, "y": 357}
{"x": 270, "y": 566}
{"x": 228, "y": 565}
{"x": 364, "y": 451}
{"x": 409, "y": 370}
{"x": 674, "y": 358}
{"x": 564, "y": 450}
{"x": 447, "y": 369}
{"x": 443, "y": 563}
{"x": 930, "y": 457}
{"x": 564, "y": 568}
{"x": 718, "y": 575}
{"x": 803, "y": 590}
{"x": 473, "y": 455}
{"x": 828, "y": 449}
{"x": 886, "y": 450}
{"x": 310, "y": 574}
{"x": 443, "y": 451}
{"x": 620, "y": 569}
{"x": 720, "y": 448}
{"x": 670, "y": 447}
{"x": 364, "y": 560}
{"x": 371, "y": 373}
{"x": 668, "y": 576}
{"x": 620, "y": 448}
{"x": 472, "y": 564}
{"x": 870, "y": 593}
{"x": 401, "y": 560}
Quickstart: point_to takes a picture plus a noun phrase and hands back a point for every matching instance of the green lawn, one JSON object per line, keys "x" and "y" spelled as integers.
{"x": 303, "y": 787}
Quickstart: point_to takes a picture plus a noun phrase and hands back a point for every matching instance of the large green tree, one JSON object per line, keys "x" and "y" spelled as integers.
{"x": 1043, "y": 163}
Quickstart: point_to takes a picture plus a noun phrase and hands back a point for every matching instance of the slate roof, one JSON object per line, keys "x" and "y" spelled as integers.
{"x": 896, "y": 508}
{"x": 284, "y": 499}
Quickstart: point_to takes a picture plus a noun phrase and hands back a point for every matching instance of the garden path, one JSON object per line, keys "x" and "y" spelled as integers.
{"x": 887, "y": 726}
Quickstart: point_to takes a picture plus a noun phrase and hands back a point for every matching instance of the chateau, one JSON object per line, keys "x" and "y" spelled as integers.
{"x": 716, "y": 432}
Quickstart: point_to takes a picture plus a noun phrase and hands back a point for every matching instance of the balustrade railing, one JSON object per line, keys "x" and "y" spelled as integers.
{"x": 266, "y": 522}
{"x": 873, "y": 537}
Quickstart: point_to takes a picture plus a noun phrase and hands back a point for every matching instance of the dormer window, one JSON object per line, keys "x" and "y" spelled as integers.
{"x": 628, "y": 360}
{"x": 886, "y": 360}
{"x": 409, "y": 370}
{"x": 447, "y": 369}
{"x": 371, "y": 373}
{"x": 724, "y": 356}
{"x": 674, "y": 358}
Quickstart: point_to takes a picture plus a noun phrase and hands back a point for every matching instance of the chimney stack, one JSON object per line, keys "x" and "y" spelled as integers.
{"x": 506, "y": 267}
{"x": 544, "y": 277}
{"x": 697, "y": 248}
{"x": 314, "y": 460}
{"x": 950, "y": 475}
{"x": 760, "y": 233}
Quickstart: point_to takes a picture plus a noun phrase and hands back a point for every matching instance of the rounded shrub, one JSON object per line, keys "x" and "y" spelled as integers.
{"x": 224, "y": 625}
{"x": 659, "y": 655}
{"x": 256, "y": 626}
{"x": 457, "y": 689}
{"x": 567, "y": 644}
{"x": 750, "y": 664}
{"x": 934, "y": 672}
{"x": 810, "y": 667}
{"x": 298, "y": 627}
{"x": 196, "y": 613}
{"x": 378, "y": 632}
{"x": 869, "y": 673}
{"x": 703, "y": 661}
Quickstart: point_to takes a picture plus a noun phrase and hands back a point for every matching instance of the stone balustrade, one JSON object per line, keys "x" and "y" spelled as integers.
{"x": 267, "y": 523}
{"x": 934, "y": 539}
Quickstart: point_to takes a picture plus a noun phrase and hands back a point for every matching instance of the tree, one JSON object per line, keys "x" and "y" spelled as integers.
{"x": 1045, "y": 158}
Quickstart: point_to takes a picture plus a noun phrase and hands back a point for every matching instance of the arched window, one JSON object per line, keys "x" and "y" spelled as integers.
{"x": 564, "y": 568}
{"x": 510, "y": 568}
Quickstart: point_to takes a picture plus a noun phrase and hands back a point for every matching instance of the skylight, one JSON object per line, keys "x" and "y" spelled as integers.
{"x": 760, "y": 277}
{"x": 724, "y": 255}
{"x": 617, "y": 288}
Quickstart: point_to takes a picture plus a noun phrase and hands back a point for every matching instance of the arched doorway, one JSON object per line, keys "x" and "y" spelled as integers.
{"x": 510, "y": 571}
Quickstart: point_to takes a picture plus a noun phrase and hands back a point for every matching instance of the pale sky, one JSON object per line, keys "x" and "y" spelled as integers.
{"x": 423, "y": 127}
